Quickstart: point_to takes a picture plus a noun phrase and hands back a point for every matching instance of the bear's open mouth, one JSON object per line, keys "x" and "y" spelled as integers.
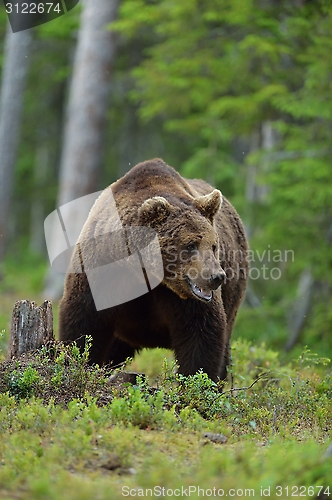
{"x": 196, "y": 290}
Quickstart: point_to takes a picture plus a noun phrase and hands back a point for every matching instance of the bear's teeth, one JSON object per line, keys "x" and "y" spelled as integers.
{"x": 201, "y": 292}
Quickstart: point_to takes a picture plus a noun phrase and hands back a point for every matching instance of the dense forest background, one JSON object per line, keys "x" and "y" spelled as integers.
{"x": 235, "y": 92}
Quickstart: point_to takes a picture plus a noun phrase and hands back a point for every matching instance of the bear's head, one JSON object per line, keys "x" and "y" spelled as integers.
{"x": 189, "y": 243}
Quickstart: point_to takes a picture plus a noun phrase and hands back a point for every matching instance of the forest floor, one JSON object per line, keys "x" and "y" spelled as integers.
{"x": 67, "y": 430}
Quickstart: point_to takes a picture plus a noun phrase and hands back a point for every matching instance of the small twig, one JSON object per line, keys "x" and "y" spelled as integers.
{"x": 274, "y": 420}
{"x": 260, "y": 377}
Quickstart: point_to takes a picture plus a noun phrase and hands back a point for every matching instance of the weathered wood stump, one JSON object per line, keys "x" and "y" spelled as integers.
{"x": 32, "y": 326}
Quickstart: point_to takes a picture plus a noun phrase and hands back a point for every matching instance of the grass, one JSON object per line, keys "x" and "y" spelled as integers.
{"x": 67, "y": 432}
{"x": 64, "y": 427}
{"x": 79, "y": 451}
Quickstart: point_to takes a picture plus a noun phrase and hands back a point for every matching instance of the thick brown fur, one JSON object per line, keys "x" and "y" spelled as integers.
{"x": 191, "y": 217}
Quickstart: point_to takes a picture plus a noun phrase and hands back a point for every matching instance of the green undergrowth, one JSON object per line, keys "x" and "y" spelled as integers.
{"x": 65, "y": 427}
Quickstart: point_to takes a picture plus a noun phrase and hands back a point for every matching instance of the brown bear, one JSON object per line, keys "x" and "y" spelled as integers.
{"x": 204, "y": 255}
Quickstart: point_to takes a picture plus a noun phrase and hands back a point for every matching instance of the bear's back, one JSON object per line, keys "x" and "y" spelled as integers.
{"x": 146, "y": 180}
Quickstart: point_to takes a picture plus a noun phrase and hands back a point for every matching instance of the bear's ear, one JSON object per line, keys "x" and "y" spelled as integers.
{"x": 209, "y": 204}
{"x": 154, "y": 211}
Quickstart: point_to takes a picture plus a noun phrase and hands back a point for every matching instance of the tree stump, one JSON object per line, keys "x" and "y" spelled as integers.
{"x": 32, "y": 326}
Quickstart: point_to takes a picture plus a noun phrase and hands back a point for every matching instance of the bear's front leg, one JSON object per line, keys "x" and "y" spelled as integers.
{"x": 78, "y": 318}
{"x": 199, "y": 338}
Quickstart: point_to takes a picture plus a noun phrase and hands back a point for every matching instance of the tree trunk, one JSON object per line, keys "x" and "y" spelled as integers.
{"x": 87, "y": 111}
{"x": 88, "y": 99}
{"x": 32, "y": 326}
{"x": 301, "y": 309}
{"x": 37, "y": 214}
{"x": 15, "y": 69}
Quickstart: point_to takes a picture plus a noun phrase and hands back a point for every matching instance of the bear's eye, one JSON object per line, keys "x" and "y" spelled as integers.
{"x": 192, "y": 246}
{"x": 214, "y": 249}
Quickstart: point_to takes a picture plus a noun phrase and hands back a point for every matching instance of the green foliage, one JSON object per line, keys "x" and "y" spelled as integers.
{"x": 277, "y": 430}
{"x": 21, "y": 384}
{"x": 72, "y": 364}
{"x": 26, "y": 277}
{"x": 142, "y": 409}
{"x": 196, "y": 61}
{"x": 55, "y": 372}
{"x": 212, "y": 71}
{"x": 308, "y": 358}
{"x": 149, "y": 362}
{"x": 220, "y": 71}
{"x": 2, "y": 334}
{"x": 61, "y": 27}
